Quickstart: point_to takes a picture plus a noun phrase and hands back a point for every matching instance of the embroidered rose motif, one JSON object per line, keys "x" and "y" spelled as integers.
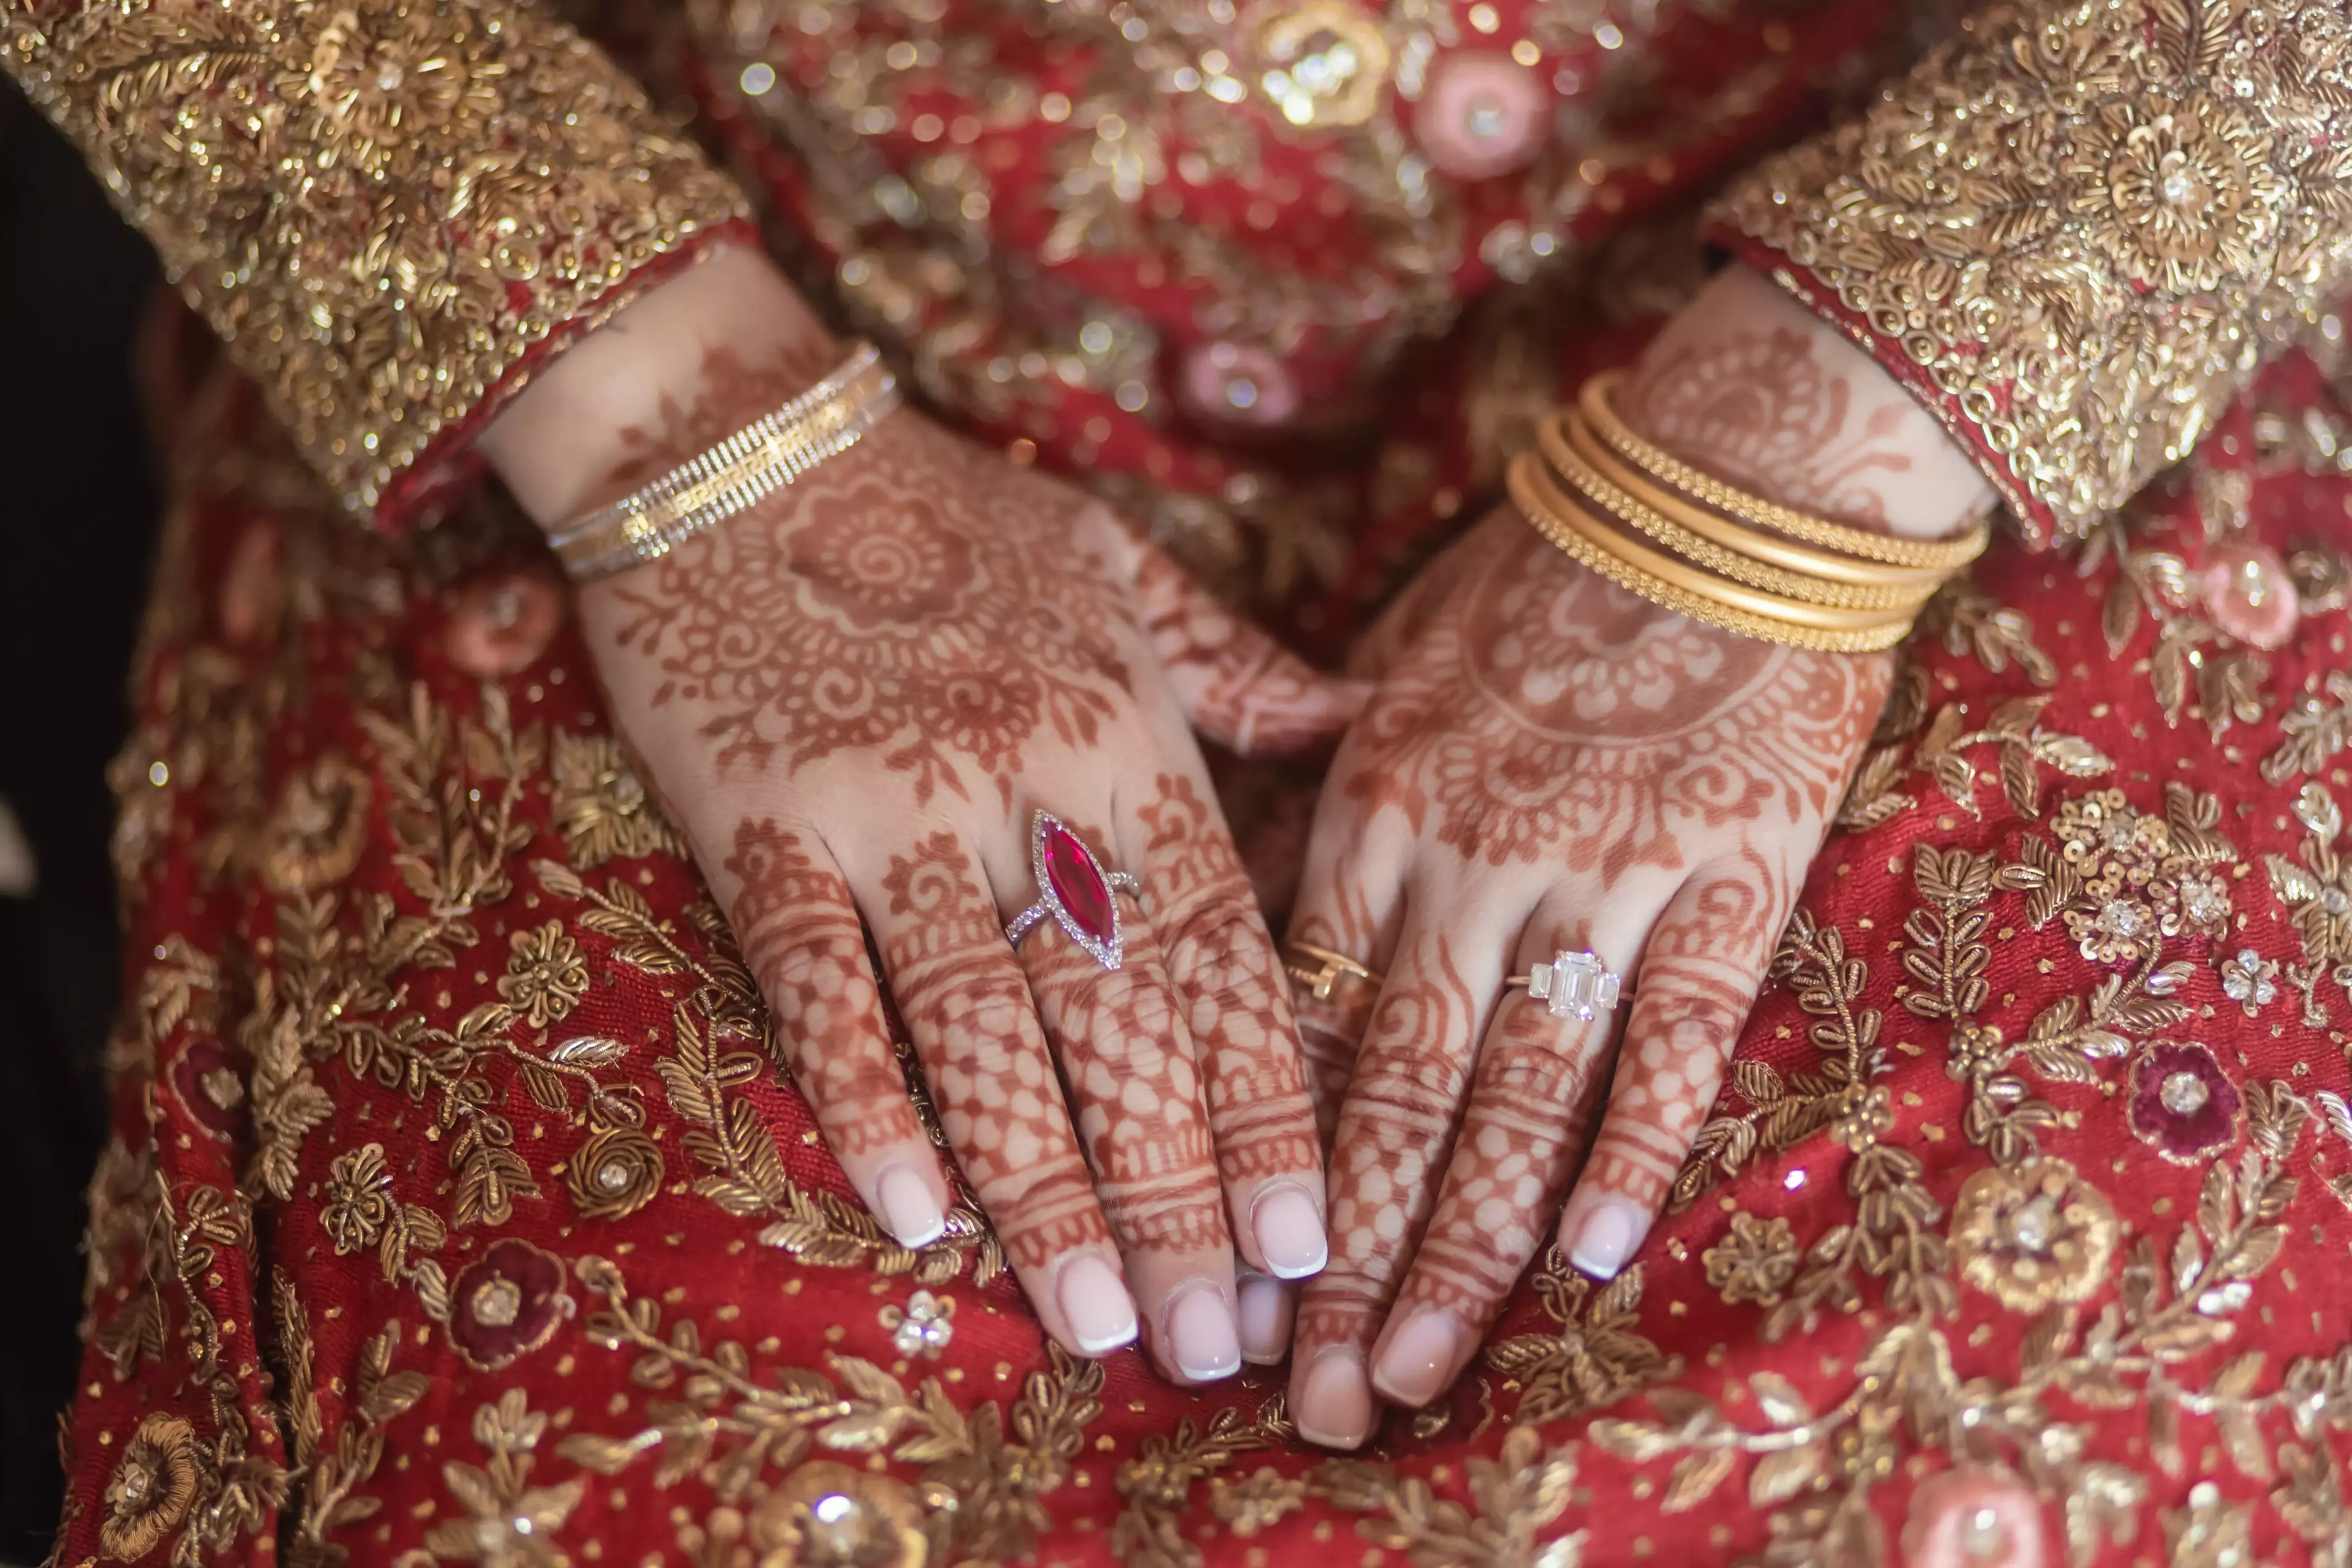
{"x": 359, "y": 1199}
{"x": 387, "y": 76}
{"x": 2180, "y": 191}
{"x": 2250, "y": 980}
{"x": 319, "y": 826}
{"x": 500, "y": 627}
{"x": 1978, "y": 1516}
{"x": 2247, "y": 591}
{"x": 153, "y": 1489}
{"x": 210, "y": 1086}
{"x": 506, "y": 1303}
{"x": 827, "y": 1515}
{"x": 1755, "y": 1262}
{"x": 2033, "y": 1235}
{"x": 616, "y": 1172}
{"x": 2182, "y": 1103}
{"x": 546, "y": 976}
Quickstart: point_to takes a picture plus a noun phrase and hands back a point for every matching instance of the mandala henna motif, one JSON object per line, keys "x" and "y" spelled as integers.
{"x": 912, "y": 603}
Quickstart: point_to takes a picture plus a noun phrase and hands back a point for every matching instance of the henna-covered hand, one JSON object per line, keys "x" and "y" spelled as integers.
{"x": 853, "y": 699}
{"x": 1550, "y": 764}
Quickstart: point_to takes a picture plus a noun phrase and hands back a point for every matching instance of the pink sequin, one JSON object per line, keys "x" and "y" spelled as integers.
{"x": 2248, "y": 594}
{"x": 501, "y": 623}
{"x": 1977, "y": 1516}
{"x": 1235, "y": 383}
{"x": 1480, "y": 115}
{"x": 247, "y": 582}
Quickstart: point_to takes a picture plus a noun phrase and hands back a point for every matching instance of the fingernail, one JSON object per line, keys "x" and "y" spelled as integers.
{"x": 1606, "y": 1238}
{"x": 1203, "y": 1337}
{"x": 1335, "y": 1407}
{"x": 1289, "y": 1230}
{"x": 1262, "y": 1308}
{"x": 1419, "y": 1361}
{"x": 1095, "y": 1304}
{"x": 908, "y": 1208}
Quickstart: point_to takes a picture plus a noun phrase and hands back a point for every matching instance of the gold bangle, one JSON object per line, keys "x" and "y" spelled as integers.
{"x": 1596, "y": 400}
{"x": 1692, "y": 543}
{"x": 1525, "y": 469}
{"x": 1803, "y": 560}
{"x": 1673, "y": 569}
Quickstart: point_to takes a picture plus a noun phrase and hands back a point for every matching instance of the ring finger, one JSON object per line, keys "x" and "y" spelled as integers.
{"x": 1135, "y": 1085}
{"x": 1531, "y": 1109}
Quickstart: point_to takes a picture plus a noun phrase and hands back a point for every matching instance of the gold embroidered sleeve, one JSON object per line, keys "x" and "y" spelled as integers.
{"x": 390, "y": 209}
{"x": 2076, "y": 227}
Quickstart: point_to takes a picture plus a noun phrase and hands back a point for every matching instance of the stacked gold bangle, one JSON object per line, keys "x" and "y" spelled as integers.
{"x": 748, "y": 467}
{"x": 1686, "y": 540}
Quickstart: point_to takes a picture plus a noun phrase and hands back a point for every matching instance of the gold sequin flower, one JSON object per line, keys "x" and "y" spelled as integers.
{"x": 1755, "y": 1262}
{"x": 545, "y": 975}
{"x": 153, "y": 1489}
{"x": 600, "y": 807}
{"x": 923, "y": 1327}
{"x": 359, "y": 1199}
{"x": 389, "y": 74}
{"x": 827, "y": 1515}
{"x": 615, "y": 1173}
{"x": 319, "y": 826}
{"x": 2033, "y": 1235}
{"x": 2179, "y": 191}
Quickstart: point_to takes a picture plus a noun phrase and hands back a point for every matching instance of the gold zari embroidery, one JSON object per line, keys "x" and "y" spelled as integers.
{"x": 2075, "y": 217}
{"x": 383, "y": 206}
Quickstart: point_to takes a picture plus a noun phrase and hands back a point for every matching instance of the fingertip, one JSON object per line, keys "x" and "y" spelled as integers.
{"x": 1264, "y": 1308}
{"x": 1599, "y": 1232}
{"x": 1287, "y": 1226}
{"x": 1096, "y": 1306}
{"x": 1331, "y": 1398}
{"x": 909, "y": 1206}
{"x": 1419, "y": 1359}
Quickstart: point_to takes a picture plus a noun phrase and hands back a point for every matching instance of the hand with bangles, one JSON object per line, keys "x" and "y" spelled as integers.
{"x": 1552, "y": 767}
{"x": 856, "y": 697}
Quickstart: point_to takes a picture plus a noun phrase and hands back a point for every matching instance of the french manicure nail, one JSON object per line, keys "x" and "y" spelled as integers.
{"x": 908, "y": 1208}
{"x": 1095, "y": 1304}
{"x": 1262, "y": 1308}
{"x": 1203, "y": 1337}
{"x": 1419, "y": 1361}
{"x": 1289, "y": 1231}
{"x": 1335, "y": 1406}
{"x": 1606, "y": 1236}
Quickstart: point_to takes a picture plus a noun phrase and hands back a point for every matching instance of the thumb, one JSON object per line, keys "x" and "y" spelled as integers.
{"x": 1236, "y": 684}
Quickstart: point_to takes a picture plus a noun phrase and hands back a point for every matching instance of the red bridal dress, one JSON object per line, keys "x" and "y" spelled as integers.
{"x": 456, "y": 1208}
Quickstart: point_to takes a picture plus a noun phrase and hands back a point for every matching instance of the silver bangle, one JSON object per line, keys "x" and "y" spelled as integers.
{"x": 738, "y": 473}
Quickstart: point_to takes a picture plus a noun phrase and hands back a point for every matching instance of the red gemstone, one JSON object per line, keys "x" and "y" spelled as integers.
{"x": 1078, "y": 882}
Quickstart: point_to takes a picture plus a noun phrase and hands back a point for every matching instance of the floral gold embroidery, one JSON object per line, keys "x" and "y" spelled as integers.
{"x": 507, "y": 1521}
{"x": 2084, "y": 309}
{"x": 153, "y": 1489}
{"x": 2181, "y": 1103}
{"x": 319, "y": 826}
{"x": 1754, "y": 1262}
{"x": 545, "y": 975}
{"x": 2033, "y": 1235}
{"x": 602, "y": 808}
{"x": 1593, "y": 1358}
{"x": 506, "y": 1303}
{"x": 473, "y": 179}
{"x": 616, "y": 1172}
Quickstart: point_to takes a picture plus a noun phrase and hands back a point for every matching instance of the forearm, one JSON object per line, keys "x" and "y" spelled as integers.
{"x": 680, "y": 369}
{"x": 1749, "y": 385}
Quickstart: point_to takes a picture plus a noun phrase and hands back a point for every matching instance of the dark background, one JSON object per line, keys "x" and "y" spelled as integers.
{"x": 76, "y": 526}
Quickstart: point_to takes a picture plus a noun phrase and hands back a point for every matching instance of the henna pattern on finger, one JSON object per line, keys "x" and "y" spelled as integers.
{"x": 1394, "y": 1133}
{"x": 1697, "y": 981}
{"x": 966, "y": 1003}
{"x": 801, "y": 939}
{"x": 1135, "y": 1088}
{"x": 1237, "y": 684}
{"x": 1233, "y": 990}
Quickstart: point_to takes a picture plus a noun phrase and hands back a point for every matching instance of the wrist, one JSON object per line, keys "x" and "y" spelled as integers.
{"x": 1749, "y": 386}
{"x": 675, "y": 371}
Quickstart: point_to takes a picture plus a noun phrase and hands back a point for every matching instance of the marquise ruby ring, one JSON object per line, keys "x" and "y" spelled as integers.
{"x": 1075, "y": 889}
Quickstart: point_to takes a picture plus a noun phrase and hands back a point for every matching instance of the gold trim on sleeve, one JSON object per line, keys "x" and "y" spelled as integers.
{"x": 2077, "y": 221}
{"x": 384, "y": 206}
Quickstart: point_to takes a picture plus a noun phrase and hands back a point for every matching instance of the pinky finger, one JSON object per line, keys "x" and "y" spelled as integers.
{"x": 1698, "y": 979}
{"x": 800, "y": 932}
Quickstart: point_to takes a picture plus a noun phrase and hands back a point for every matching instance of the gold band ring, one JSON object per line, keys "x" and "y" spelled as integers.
{"x": 1328, "y": 969}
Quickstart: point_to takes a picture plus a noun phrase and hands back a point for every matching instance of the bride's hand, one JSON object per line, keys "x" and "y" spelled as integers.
{"x": 854, "y": 699}
{"x": 1551, "y": 764}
